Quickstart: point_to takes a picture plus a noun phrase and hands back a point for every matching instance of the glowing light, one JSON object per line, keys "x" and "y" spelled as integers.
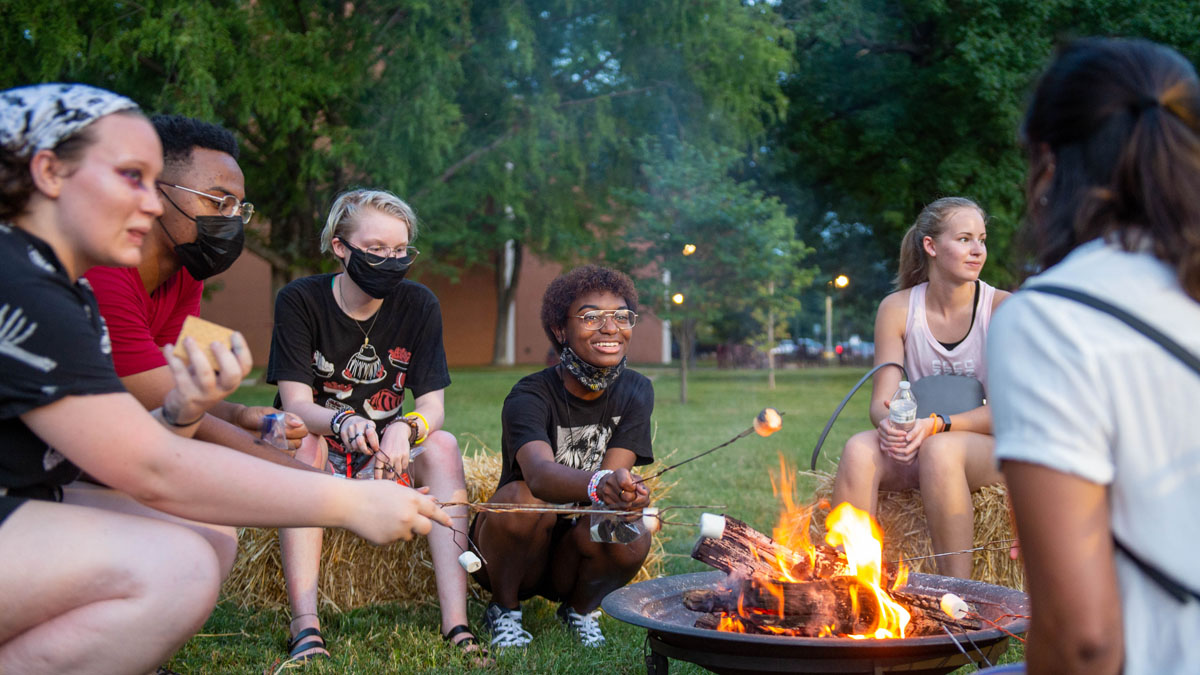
{"x": 841, "y": 281}
{"x": 689, "y": 249}
{"x": 677, "y": 298}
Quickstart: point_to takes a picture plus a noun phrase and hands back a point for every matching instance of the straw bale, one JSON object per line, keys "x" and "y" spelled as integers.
{"x": 905, "y": 534}
{"x": 355, "y": 573}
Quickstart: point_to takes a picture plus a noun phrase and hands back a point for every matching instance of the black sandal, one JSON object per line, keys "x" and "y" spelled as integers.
{"x": 479, "y": 655}
{"x": 297, "y": 645}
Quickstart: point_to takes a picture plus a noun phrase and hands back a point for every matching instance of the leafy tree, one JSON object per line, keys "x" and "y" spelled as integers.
{"x": 557, "y": 88}
{"x": 502, "y": 122}
{"x": 893, "y": 104}
{"x": 746, "y": 255}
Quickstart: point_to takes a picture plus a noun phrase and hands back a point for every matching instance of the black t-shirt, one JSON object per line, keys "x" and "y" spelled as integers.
{"x": 53, "y": 344}
{"x": 314, "y": 342}
{"x": 539, "y": 408}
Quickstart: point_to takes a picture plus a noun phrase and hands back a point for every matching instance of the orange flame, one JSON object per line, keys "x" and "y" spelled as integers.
{"x": 861, "y": 542}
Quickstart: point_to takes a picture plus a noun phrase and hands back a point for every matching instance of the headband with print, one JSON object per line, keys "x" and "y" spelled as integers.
{"x": 41, "y": 116}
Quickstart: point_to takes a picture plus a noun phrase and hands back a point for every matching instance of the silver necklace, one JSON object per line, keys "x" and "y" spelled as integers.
{"x": 346, "y": 308}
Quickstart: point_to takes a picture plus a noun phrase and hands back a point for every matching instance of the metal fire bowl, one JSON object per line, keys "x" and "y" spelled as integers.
{"x": 657, "y": 606}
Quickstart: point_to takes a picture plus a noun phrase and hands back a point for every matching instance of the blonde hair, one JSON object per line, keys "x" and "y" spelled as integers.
{"x": 931, "y": 222}
{"x": 343, "y": 216}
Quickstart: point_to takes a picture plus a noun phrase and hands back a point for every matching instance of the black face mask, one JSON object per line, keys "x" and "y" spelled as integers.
{"x": 377, "y": 277}
{"x": 219, "y": 242}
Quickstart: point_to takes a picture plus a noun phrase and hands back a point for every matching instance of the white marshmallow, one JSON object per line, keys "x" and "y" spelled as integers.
{"x": 954, "y": 606}
{"x": 469, "y": 561}
{"x": 712, "y": 525}
{"x": 650, "y": 519}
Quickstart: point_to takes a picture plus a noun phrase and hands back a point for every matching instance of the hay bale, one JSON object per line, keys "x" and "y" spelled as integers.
{"x": 356, "y": 573}
{"x": 905, "y": 534}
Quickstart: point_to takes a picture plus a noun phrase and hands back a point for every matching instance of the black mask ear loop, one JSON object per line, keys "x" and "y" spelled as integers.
{"x": 160, "y": 222}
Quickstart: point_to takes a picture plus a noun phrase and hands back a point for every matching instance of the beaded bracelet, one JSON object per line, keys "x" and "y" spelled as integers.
{"x": 594, "y": 484}
{"x": 335, "y": 424}
{"x": 419, "y": 437}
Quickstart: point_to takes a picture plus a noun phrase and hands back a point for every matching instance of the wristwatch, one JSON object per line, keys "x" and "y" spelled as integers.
{"x": 945, "y": 422}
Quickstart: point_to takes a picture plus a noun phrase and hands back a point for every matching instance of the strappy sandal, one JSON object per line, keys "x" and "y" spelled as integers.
{"x": 470, "y": 646}
{"x": 299, "y": 645}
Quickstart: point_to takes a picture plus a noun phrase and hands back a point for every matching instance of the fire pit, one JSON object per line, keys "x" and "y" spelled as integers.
{"x": 657, "y": 605}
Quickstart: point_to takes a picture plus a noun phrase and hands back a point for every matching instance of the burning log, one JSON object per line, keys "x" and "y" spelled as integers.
{"x": 837, "y": 606}
{"x": 742, "y": 551}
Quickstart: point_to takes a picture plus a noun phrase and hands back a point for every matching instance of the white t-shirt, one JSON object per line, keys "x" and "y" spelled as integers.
{"x": 1079, "y": 391}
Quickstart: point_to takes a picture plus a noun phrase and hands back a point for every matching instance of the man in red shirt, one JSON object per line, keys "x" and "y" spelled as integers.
{"x": 199, "y": 235}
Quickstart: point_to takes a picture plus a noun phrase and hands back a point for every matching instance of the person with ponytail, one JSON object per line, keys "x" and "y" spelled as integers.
{"x": 571, "y": 434}
{"x": 936, "y": 323}
{"x": 346, "y": 348}
{"x": 1094, "y": 420}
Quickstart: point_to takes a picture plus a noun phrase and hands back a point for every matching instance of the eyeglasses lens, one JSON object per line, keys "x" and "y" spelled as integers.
{"x": 623, "y": 318}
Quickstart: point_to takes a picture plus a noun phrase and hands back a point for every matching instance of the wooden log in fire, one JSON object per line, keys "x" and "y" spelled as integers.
{"x": 745, "y": 552}
{"x": 840, "y": 605}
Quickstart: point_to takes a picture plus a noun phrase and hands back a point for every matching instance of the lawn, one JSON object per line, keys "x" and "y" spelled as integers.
{"x": 722, "y": 403}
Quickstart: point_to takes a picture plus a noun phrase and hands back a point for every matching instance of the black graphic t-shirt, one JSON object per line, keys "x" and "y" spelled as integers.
{"x": 539, "y": 408}
{"x": 53, "y": 344}
{"x": 314, "y": 342}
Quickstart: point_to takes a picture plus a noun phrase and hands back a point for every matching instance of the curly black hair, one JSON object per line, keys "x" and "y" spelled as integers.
{"x": 567, "y": 288}
{"x": 179, "y": 135}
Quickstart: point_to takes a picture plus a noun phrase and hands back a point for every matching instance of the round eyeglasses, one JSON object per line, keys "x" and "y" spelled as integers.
{"x": 227, "y": 205}
{"x": 595, "y": 320}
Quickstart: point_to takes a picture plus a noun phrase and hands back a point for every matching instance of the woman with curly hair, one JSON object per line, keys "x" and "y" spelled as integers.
{"x": 571, "y": 434}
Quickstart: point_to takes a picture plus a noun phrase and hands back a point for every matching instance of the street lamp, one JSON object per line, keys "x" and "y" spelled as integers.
{"x": 677, "y": 298}
{"x": 840, "y": 281}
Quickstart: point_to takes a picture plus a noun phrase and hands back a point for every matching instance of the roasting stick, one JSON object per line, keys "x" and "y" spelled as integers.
{"x": 957, "y": 608}
{"x": 986, "y": 546}
{"x": 767, "y": 422}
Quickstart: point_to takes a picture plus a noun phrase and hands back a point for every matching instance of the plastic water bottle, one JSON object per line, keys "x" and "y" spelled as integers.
{"x": 611, "y": 528}
{"x": 903, "y": 409}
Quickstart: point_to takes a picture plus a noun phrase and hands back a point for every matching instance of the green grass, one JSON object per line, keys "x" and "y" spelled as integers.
{"x": 721, "y": 404}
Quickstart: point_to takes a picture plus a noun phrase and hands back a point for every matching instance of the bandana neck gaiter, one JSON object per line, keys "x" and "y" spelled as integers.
{"x": 594, "y": 378}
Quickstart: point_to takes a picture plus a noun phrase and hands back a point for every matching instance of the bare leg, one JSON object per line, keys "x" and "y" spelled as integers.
{"x": 584, "y": 571}
{"x": 440, "y": 467}
{"x": 952, "y": 465}
{"x": 515, "y": 545}
{"x": 300, "y": 556}
{"x": 88, "y": 590}
{"x": 222, "y": 538}
{"x": 864, "y": 469}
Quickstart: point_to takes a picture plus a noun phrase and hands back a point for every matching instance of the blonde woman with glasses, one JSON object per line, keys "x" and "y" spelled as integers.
{"x": 347, "y": 350}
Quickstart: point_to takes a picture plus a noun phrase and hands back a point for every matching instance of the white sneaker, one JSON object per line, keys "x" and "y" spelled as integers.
{"x": 585, "y": 626}
{"x": 505, "y": 626}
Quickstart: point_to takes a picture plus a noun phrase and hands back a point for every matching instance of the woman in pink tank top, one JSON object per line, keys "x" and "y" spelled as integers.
{"x": 935, "y": 323}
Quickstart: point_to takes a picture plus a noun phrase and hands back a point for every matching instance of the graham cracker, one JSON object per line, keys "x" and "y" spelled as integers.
{"x": 204, "y": 333}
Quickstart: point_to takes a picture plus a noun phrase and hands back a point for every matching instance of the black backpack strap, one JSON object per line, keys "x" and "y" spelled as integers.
{"x": 1132, "y": 321}
{"x": 1167, "y": 583}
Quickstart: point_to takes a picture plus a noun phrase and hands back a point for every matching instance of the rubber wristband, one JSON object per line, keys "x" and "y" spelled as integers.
{"x": 171, "y": 421}
{"x": 420, "y": 437}
{"x": 936, "y": 419}
{"x": 594, "y": 485}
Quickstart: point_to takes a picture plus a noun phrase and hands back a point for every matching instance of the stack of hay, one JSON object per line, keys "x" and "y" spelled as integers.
{"x": 356, "y": 573}
{"x": 905, "y": 534}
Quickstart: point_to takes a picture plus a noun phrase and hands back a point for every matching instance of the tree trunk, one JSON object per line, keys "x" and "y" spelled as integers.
{"x": 685, "y": 330}
{"x": 506, "y": 289}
